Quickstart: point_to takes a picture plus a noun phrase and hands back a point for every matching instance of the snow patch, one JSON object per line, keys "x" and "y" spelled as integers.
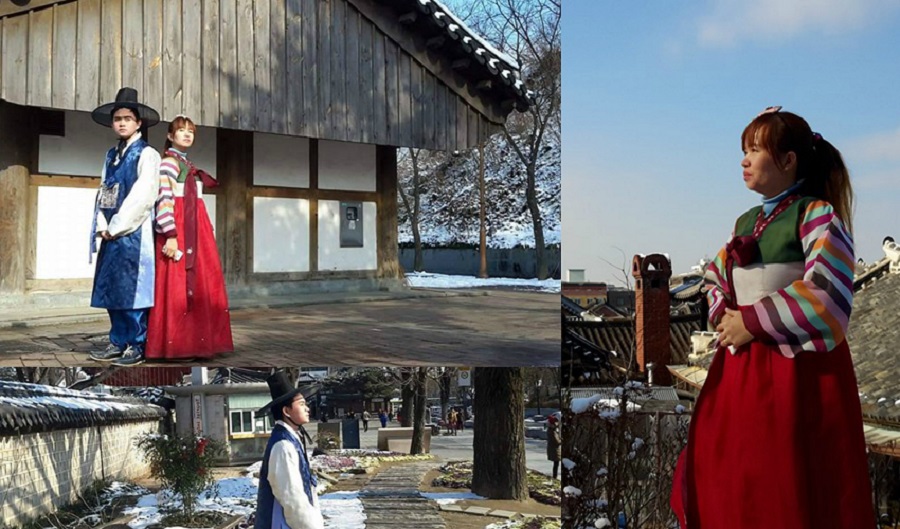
{"x": 449, "y": 498}
{"x": 429, "y": 280}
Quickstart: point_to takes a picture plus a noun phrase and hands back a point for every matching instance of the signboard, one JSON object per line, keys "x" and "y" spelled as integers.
{"x": 464, "y": 377}
{"x": 197, "y": 400}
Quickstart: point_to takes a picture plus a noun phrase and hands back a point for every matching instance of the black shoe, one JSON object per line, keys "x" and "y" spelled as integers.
{"x": 130, "y": 357}
{"x": 107, "y": 355}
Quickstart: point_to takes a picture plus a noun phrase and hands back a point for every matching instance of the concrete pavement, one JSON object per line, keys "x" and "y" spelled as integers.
{"x": 455, "y": 448}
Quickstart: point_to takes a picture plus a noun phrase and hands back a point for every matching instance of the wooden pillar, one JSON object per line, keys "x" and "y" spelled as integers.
{"x": 386, "y": 231}
{"x": 234, "y": 168}
{"x": 314, "y": 205}
{"x": 18, "y": 145}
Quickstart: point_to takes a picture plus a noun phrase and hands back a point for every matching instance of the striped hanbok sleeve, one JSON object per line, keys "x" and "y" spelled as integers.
{"x": 165, "y": 201}
{"x": 718, "y": 291}
{"x": 812, "y": 313}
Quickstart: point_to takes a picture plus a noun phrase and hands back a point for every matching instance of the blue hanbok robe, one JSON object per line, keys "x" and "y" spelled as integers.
{"x": 123, "y": 277}
{"x": 287, "y": 497}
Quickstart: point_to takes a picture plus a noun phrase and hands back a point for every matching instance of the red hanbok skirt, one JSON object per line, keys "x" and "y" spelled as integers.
{"x": 174, "y": 332}
{"x": 775, "y": 443}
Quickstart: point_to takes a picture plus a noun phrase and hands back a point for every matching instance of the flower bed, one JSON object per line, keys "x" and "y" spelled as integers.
{"x": 350, "y": 461}
{"x": 541, "y": 488}
{"x": 536, "y": 522}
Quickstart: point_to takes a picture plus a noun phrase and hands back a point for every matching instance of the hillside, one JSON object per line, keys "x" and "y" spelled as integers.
{"x": 449, "y": 199}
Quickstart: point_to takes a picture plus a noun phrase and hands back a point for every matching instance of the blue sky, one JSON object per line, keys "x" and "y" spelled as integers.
{"x": 656, "y": 94}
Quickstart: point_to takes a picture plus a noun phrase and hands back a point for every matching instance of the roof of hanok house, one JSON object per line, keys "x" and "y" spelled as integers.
{"x": 28, "y": 408}
{"x": 571, "y": 309}
{"x": 502, "y": 66}
{"x": 874, "y": 339}
{"x": 388, "y": 72}
{"x": 582, "y": 359}
{"x": 618, "y": 335}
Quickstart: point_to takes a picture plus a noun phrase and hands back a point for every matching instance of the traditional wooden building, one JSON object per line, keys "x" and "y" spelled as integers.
{"x": 301, "y": 106}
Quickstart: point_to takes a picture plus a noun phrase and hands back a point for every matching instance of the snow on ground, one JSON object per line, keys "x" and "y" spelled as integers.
{"x": 449, "y": 498}
{"x": 343, "y": 510}
{"x": 429, "y": 280}
{"x": 237, "y": 496}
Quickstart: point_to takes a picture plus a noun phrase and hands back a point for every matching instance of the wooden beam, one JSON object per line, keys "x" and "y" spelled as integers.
{"x": 313, "y": 206}
{"x": 436, "y": 42}
{"x": 234, "y": 167}
{"x": 16, "y": 163}
{"x": 14, "y": 7}
{"x": 386, "y": 226}
{"x": 408, "y": 18}
{"x": 484, "y": 85}
{"x": 461, "y": 64}
{"x": 438, "y": 66}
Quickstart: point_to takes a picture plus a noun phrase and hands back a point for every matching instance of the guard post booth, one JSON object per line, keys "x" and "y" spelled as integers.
{"x": 301, "y": 106}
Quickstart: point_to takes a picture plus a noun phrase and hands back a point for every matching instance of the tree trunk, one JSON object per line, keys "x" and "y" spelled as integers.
{"x": 406, "y": 397}
{"x": 445, "y": 380}
{"x": 499, "y": 443}
{"x": 482, "y": 270}
{"x": 419, "y": 260}
{"x": 420, "y": 382}
{"x": 536, "y": 221}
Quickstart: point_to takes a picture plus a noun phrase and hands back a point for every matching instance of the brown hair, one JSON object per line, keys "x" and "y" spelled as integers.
{"x": 179, "y": 122}
{"x": 819, "y": 164}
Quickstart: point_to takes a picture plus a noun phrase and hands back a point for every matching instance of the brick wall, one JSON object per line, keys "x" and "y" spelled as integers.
{"x": 651, "y": 311}
{"x": 42, "y": 471}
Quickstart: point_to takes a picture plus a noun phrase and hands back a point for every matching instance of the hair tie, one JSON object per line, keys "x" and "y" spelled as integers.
{"x": 817, "y": 137}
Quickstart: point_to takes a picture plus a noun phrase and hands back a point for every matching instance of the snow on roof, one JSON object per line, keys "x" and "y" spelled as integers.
{"x": 512, "y": 63}
{"x": 33, "y": 407}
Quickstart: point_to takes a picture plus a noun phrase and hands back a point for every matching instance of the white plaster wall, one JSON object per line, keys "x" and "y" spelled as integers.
{"x": 63, "y": 228}
{"x": 63, "y": 233}
{"x": 281, "y": 161}
{"x": 82, "y": 150}
{"x": 347, "y": 166}
{"x": 331, "y": 255}
{"x": 280, "y": 234}
{"x": 210, "y": 202}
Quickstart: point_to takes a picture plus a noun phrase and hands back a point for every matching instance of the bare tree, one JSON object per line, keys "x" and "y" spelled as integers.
{"x": 411, "y": 201}
{"x": 529, "y": 31}
{"x": 420, "y": 383}
{"x": 498, "y": 470}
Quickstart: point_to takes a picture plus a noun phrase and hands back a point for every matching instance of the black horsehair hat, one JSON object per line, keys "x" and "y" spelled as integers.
{"x": 126, "y": 98}
{"x": 283, "y": 392}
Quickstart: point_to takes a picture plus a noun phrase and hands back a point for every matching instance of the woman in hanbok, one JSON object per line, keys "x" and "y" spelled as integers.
{"x": 190, "y": 319}
{"x": 776, "y": 437}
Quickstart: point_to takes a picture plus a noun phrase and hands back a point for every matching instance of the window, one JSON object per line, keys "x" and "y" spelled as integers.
{"x": 242, "y": 421}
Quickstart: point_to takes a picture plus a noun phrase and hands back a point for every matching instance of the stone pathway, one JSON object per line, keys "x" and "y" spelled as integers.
{"x": 391, "y": 499}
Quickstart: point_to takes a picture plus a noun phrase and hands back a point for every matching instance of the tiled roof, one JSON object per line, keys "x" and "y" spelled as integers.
{"x": 570, "y": 308}
{"x": 500, "y": 65}
{"x": 27, "y": 408}
{"x": 583, "y": 362}
{"x": 874, "y": 338}
{"x": 618, "y": 335}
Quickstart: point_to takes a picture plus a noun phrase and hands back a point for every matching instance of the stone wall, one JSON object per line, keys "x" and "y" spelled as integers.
{"x": 43, "y": 471}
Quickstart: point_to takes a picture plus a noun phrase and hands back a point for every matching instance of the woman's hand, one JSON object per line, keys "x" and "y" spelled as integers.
{"x": 732, "y": 330}
{"x": 171, "y": 247}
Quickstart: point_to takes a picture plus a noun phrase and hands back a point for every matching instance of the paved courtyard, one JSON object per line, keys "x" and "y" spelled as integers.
{"x": 495, "y": 328}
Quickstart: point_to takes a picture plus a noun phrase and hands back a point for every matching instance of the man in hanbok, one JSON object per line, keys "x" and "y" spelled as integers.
{"x": 287, "y": 494}
{"x": 123, "y": 277}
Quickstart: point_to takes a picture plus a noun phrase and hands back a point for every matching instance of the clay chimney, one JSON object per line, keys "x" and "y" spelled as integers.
{"x": 651, "y": 304}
